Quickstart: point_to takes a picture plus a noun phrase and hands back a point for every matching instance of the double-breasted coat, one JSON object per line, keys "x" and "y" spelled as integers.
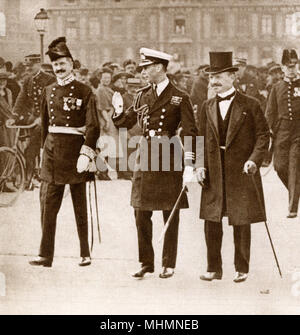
{"x": 69, "y": 106}
{"x": 158, "y": 190}
{"x": 247, "y": 139}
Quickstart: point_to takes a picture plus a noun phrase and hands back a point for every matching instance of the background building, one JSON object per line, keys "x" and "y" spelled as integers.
{"x": 101, "y": 30}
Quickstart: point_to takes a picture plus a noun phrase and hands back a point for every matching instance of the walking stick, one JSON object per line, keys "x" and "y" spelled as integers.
{"x": 166, "y": 226}
{"x": 97, "y": 212}
{"x": 266, "y": 225}
{"x": 91, "y": 215}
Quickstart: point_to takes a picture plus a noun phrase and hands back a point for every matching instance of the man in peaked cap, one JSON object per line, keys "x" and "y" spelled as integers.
{"x": 27, "y": 110}
{"x": 283, "y": 115}
{"x": 158, "y": 108}
{"x": 69, "y": 134}
{"x": 236, "y": 138}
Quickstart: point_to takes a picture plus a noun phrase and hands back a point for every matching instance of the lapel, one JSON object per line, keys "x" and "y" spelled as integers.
{"x": 212, "y": 116}
{"x": 162, "y": 99}
{"x": 236, "y": 118}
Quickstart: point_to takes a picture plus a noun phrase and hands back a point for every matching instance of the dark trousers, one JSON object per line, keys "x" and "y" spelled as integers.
{"x": 32, "y": 152}
{"x": 242, "y": 240}
{"x": 287, "y": 160}
{"x": 144, "y": 231}
{"x": 51, "y": 196}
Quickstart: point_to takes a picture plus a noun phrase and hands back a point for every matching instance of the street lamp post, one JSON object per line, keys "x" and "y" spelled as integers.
{"x": 40, "y": 21}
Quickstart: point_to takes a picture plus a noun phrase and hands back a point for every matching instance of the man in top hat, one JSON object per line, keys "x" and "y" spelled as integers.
{"x": 27, "y": 110}
{"x": 69, "y": 134}
{"x": 159, "y": 108}
{"x": 283, "y": 115}
{"x": 236, "y": 138}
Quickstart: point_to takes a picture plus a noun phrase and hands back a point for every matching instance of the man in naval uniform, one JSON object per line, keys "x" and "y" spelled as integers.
{"x": 69, "y": 134}
{"x": 159, "y": 108}
{"x": 283, "y": 116}
{"x": 27, "y": 109}
{"x": 236, "y": 138}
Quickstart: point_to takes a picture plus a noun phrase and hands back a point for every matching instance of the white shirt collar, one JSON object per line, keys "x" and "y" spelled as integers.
{"x": 67, "y": 80}
{"x": 161, "y": 86}
{"x": 224, "y": 94}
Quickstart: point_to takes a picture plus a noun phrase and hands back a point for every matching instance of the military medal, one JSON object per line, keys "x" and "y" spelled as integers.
{"x": 66, "y": 107}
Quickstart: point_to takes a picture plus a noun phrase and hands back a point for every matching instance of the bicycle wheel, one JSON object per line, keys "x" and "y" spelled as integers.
{"x": 12, "y": 176}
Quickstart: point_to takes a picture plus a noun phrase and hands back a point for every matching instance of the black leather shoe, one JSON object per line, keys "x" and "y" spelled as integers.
{"x": 240, "y": 277}
{"x": 145, "y": 269}
{"x": 292, "y": 215}
{"x": 209, "y": 276}
{"x": 85, "y": 261}
{"x": 41, "y": 261}
{"x": 166, "y": 273}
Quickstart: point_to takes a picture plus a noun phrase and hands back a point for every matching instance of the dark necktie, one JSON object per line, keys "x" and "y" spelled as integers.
{"x": 228, "y": 97}
{"x": 154, "y": 86}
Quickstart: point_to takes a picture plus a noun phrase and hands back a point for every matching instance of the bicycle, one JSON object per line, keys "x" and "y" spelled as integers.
{"x": 12, "y": 167}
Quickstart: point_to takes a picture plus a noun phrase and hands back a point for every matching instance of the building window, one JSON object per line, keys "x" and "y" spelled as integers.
{"x": 243, "y": 24}
{"x": 94, "y": 26}
{"x": 71, "y": 27}
{"x": 219, "y": 25}
{"x": 266, "y": 24}
{"x": 117, "y": 25}
{"x": 2, "y": 24}
{"x": 179, "y": 26}
{"x": 292, "y": 24}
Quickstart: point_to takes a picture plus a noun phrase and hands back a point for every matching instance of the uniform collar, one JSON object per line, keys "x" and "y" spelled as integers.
{"x": 37, "y": 74}
{"x": 65, "y": 81}
{"x": 161, "y": 86}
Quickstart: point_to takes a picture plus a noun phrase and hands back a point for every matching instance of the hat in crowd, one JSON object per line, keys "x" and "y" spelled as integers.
{"x": 58, "y": 49}
{"x": 220, "y": 62}
{"x": 239, "y": 61}
{"x": 150, "y": 56}
{"x": 32, "y": 59}
{"x": 47, "y": 68}
{"x": 9, "y": 66}
{"x": 106, "y": 70}
{"x": 4, "y": 75}
{"x": 76, "y": 64}
{"x": 132, "y": 81}
{"x": 128, "y": 62}
{"x": 121, "y": 74}
{"x": 289, "y": 57}
{"x": 274, "y": 68}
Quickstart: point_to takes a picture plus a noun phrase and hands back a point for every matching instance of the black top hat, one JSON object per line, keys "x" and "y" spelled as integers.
{"x": 289, "y": 57}
{"x": 58, "y": 49}
{"x": 220, "y": 62}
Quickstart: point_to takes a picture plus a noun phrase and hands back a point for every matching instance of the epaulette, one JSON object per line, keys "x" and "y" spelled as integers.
{"x": 143, "y": 88}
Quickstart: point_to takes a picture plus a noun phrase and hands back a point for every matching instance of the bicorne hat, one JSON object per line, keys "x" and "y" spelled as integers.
{"x": 220, "y": 62}
{"x": 58, "y": 49}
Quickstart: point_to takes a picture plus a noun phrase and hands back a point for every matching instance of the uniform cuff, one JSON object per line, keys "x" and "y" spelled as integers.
{"x": 87, "y": 151}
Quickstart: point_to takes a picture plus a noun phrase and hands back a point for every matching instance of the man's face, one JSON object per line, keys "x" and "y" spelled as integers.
{"x": 119, "y": 83}
{"x": 106, "y": 79}
{"x": 150, "y": 72}
{"x": 221, "y": 82}
{"x": 35, "y": 68}
{"x": 62, "y": 67}
{"x": 290, "y": 71}
{"x": 130, "y": 68}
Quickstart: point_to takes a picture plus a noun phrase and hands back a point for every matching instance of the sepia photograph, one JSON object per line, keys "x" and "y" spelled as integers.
{"x": 149, "y": 160}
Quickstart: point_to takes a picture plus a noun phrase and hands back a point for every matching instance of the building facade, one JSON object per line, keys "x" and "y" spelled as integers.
{"x": 102, "y": 30}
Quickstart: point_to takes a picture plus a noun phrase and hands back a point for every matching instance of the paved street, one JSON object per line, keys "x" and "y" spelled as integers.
{"x": 106, "y": 287}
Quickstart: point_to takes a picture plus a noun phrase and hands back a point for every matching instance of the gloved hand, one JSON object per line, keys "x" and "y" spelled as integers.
{"x": 82, "y": 163}
{"x": 117, "y": 102}
{"x": 250, "y": 167}
{"x": 188, "y": 174}
{"x": 201, "y": 175}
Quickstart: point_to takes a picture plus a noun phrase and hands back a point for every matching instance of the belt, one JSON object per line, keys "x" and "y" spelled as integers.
{"x": 67, "y": 130}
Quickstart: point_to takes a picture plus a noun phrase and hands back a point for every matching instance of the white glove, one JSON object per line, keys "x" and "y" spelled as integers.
{"x": 201, "y": 175}
{"x": 250, "y": 167}
{"x": 82, "y": 163}
{"x": 41, "y": 157}
{"x": 188, "y": 174}
{"x": 117, "y": 102}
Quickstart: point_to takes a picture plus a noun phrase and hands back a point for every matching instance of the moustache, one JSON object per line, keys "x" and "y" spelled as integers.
{"x": 60, "y": 71}
{"x": 216, "y": 85}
